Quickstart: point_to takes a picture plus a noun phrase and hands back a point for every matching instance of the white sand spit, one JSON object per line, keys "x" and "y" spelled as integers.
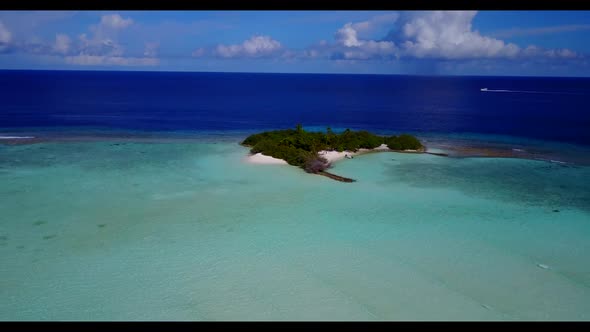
{"x": 259, "y": 158}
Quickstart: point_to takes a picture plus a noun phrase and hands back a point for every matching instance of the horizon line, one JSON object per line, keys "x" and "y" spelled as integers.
{"x": 282, "y": 73}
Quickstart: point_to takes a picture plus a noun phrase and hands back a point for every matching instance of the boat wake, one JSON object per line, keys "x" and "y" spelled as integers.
{"x": 524, "y": 91}
{"x": 557, "y": 161}
{"x": 551, "y": 161}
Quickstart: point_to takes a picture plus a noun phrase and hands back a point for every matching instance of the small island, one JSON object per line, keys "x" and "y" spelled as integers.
{"x": 314, "y": 151}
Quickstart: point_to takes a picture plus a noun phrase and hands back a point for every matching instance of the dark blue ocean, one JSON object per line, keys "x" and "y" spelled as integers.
{"x": 532, "y": 107}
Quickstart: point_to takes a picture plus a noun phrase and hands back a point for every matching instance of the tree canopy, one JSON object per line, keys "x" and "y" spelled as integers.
{"x": 299, "y": 147}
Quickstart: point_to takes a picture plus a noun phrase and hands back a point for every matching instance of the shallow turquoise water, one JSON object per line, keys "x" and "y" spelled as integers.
{"x": 189, "y": 231}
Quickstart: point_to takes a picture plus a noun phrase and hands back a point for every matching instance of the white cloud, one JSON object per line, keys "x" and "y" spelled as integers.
{"x": 95, "y": 46}
{"x": 347, "y": 36}
{"x": 350, "y": 46}
{"x": 62, "y": 44}
{"x": 228, "y": 51}
{"x": 102, "y": 47}
{"x": 92, "y": 52}
{"x": 441, "y": 35}
{"x": 350, "y": 33}
{"x": 366, "y": 50}
{"x": 101, "y": 60}
{"x": 437, "y": 35}
{"x": 260, "y": 45}
{"x": 107, "y": 29}
{"x": 101, "y": 40}
{"x": 115, "y": 21}
{"x": 5, "y": 35}
{"x": 449, "y": 35}
{"x": 533, "y": 51}
{"x": 257, "y": 46}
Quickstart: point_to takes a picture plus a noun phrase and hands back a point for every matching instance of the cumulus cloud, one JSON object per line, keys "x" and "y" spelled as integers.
{"x": 437, "y": 35}
{"x": 115, "y": 21}
{"x": 413, "y": 36}
{"x": 432, "y": 36}
{"x": 347, "y": 36}
{"x": 105, "y": 32}
{"x": 366, "y": 50}
{"x": 449, "y": 35}
{"x": 100, "y": 52}
{"x": 538, "y": 52}
{"x": 98, "y": 48}
{"x": 95, "y": 46}
{"x": 349, "y": 45}
{"x": 256, "y": 46}
{"x": 102, "y": 48}
{"x": 62, "y": 44}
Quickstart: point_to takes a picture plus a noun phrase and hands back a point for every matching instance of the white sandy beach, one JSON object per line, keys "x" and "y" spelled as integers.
{"x": 331, "y": 156}
{"x": 259, "y": 158}
{"x": 382, "y": 147}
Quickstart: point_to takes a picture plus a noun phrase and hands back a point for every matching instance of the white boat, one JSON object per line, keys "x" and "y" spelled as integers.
{"x": 483, "y": 89}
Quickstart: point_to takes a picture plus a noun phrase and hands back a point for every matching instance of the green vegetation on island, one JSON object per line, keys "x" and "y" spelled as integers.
{"x": 300, "y": 148}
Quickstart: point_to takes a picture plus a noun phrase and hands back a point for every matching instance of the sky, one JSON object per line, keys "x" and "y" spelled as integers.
{"x": 513, "y": 43}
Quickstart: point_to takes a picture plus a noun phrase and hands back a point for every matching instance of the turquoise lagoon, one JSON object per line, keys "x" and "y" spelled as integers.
{"x": 187, "y": 230}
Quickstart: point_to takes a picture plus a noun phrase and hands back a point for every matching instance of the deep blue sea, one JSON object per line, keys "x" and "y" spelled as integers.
{"x": 532, "y": 107}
